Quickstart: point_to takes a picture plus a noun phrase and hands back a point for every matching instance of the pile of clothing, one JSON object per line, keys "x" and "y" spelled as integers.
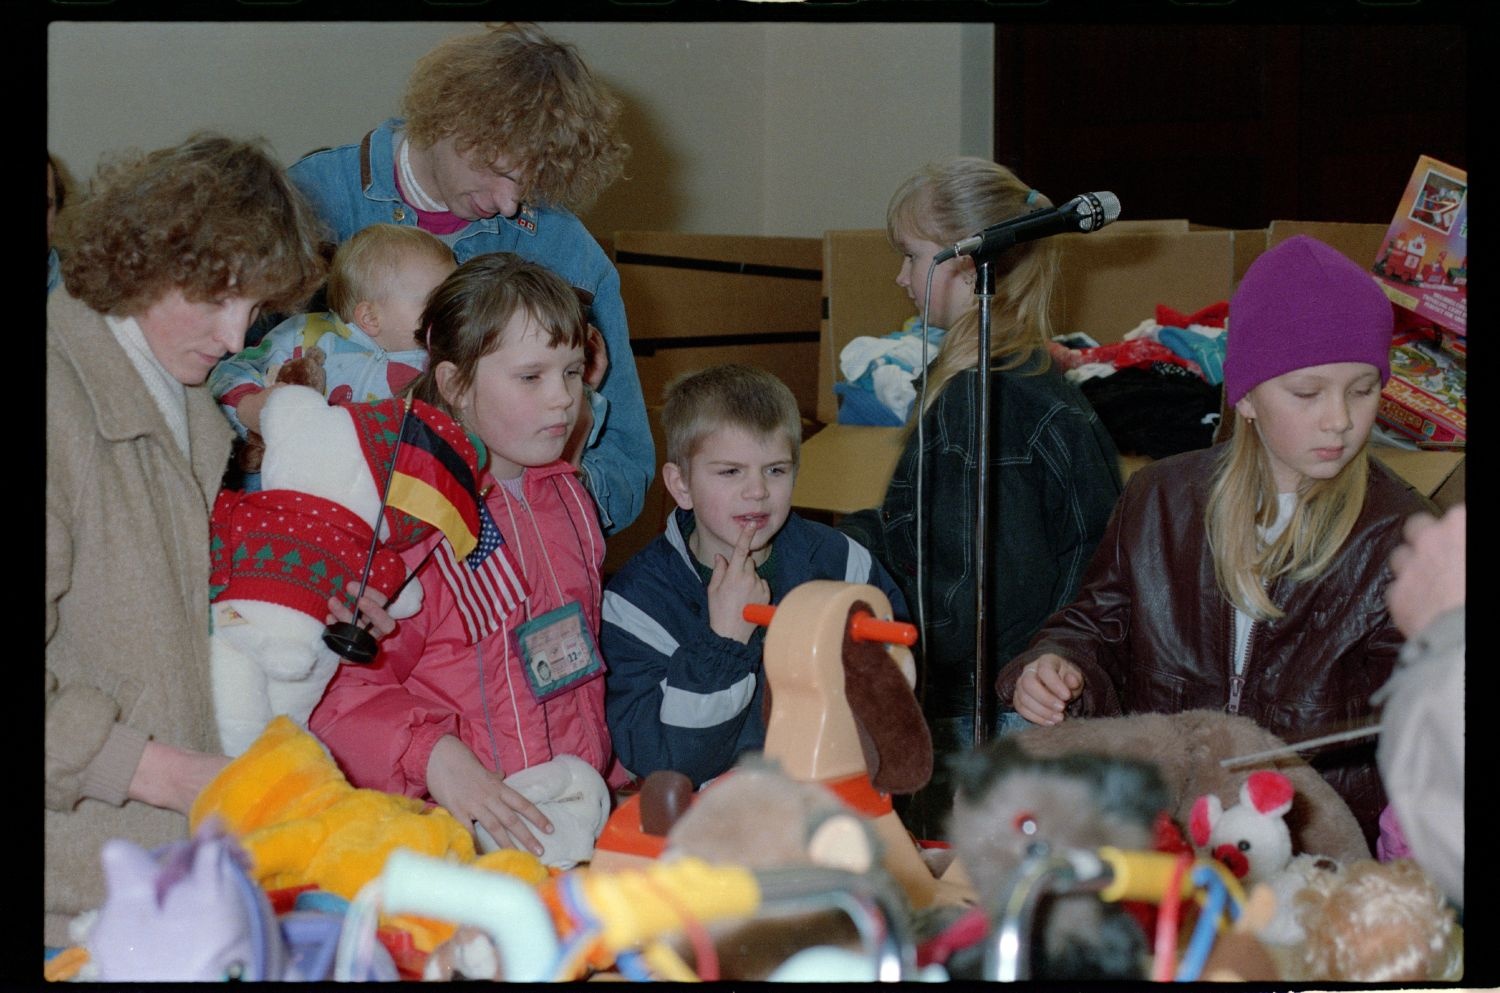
{"x": 1158, "y": 390}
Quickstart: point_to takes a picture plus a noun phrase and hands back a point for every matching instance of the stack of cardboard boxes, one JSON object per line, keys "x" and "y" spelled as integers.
{"x": 791, "y": 304}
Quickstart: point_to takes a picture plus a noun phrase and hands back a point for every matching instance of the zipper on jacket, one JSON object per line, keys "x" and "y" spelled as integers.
{"x": 1236, "y": 687}
{"x": 1237, "y": 680}
{"x": 1236, "y": 673}
{"x": 484, "y": 703}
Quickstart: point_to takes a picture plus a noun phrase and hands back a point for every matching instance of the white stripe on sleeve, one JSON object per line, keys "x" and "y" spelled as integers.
{"x": 629, "y": 618}
{"x": 685, "y": 709}
{"x": 857, "y": 568}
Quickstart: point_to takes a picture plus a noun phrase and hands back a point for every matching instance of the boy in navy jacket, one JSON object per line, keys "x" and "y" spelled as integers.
{"x": 685, "y": 687}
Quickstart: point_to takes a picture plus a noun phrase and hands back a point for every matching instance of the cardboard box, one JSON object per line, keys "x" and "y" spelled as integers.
{"x": 1109, "y": 282}
{"x": 845, "y": 467}
{"x": 1360, "y": 243}
{"x": 1423, "y": 263}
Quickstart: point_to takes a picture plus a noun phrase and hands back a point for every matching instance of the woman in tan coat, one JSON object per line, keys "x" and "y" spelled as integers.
{"x": 165, "y": 266}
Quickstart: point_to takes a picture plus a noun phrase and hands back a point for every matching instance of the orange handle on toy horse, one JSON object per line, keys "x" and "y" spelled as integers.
{"x": 863, "y": 626}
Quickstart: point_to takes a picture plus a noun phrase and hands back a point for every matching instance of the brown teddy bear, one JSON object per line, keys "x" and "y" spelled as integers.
{"x": 304, "y": 370}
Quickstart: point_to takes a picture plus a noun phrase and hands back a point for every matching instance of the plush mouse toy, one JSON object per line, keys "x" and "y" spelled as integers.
{"x": 279, "y": 554}
{"x": 1251, "y": 837}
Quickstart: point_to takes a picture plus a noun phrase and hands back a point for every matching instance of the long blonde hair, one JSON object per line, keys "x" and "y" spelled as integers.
{"x": 1243, "y": 495}
{"x": 951, "y": 199}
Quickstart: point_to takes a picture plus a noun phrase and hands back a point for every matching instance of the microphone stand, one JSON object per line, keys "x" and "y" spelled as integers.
{"x": 984, "y": 703}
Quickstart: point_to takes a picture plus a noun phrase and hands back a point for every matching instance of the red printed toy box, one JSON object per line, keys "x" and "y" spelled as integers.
{"x": 1424, "y": 400}
{"x": 1423, "y": 264}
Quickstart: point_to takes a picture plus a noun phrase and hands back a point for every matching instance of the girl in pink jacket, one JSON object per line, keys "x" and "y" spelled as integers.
{"x": 499, "y": 671}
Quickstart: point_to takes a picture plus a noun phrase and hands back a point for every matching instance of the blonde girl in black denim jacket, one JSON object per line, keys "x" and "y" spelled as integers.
{"x": 1054, "y": 471}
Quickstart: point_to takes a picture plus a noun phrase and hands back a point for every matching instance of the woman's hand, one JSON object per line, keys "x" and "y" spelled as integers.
{"x": 578, "y": 439}
{"x": 1046, "y": 685}
{"x": 461, "y": 784}
{"x": 1429, "y": 570}
{"x": 171, "y": 777}
{"x": 250, "y": 406}
{"x": 597, "y": 354}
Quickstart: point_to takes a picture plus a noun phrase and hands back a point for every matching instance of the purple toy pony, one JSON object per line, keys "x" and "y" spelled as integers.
{"x": 189, "y": 911}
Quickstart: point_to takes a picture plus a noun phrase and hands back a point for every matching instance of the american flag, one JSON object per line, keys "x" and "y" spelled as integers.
{"x": 486, "y": 583}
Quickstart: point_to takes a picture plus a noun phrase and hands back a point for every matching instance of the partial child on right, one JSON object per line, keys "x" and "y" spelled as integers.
{"x": 378, "y": 284}
{"x": 685, "y": 685}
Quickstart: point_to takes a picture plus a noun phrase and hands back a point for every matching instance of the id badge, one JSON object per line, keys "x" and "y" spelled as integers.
{"x": 558, "y": 651}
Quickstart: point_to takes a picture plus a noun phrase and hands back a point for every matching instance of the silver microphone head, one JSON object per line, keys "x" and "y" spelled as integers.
{"x": 1097, "y": 209}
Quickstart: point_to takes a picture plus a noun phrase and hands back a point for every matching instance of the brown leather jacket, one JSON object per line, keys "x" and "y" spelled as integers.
{"x": 1153, "y": 633}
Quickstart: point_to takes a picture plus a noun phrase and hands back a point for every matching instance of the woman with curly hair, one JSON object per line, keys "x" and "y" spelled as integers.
{"x": 505, "y": 133}
{"x": 165, "y": 266}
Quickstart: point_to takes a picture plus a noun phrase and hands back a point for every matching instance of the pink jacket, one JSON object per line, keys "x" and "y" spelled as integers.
{"x": 380, "y": 721}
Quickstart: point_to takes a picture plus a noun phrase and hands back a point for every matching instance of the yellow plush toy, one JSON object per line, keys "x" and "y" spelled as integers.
{"x": 302, "y": 823}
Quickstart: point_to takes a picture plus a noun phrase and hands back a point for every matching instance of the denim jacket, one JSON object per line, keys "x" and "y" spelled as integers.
{"x": 1054, "y": 477}
{"x": 354, "y": 186}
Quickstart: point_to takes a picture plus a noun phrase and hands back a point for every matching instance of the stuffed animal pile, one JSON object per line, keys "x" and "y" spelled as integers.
{"x": 1186, "y": 748}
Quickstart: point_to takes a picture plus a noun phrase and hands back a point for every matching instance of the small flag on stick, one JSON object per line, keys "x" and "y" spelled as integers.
{"x": 432, "y": 477}
{"x": 486, "y": 583}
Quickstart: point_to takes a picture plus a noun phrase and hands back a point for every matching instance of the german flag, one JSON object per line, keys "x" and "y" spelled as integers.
{"x": 434, "y": 477}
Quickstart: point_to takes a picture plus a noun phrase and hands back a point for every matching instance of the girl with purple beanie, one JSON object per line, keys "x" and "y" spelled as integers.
{"x": 1250, "y": 576}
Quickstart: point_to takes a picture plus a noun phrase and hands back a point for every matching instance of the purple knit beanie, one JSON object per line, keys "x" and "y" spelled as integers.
{"x": 1304, "y": 304}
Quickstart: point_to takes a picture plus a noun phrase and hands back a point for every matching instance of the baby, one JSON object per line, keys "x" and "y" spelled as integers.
{"x": 377, "y": 286}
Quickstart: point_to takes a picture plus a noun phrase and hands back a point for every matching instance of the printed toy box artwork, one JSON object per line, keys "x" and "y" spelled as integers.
{"x": 1423, "y": 264}
{"x": 1425, "y": 398}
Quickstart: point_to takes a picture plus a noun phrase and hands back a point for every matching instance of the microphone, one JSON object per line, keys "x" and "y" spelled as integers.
{"x": 1085, "y": 212}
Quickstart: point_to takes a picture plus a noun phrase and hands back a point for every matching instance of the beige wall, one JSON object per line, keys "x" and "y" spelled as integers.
{"x": 756, "y": 128}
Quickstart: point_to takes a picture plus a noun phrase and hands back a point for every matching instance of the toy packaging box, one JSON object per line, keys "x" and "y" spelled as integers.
{"x": 1423, "y": 263}
{"x": 1423, "y": 266}
{"x": 1424, "y": 400}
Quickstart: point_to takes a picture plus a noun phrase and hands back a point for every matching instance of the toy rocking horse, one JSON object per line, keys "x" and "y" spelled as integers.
{"x": 839, "y": 683}
{"x": 843, "y": 714}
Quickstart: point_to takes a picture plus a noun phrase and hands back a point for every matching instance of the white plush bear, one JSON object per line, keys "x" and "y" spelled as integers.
{"x": 281, "y": 552}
